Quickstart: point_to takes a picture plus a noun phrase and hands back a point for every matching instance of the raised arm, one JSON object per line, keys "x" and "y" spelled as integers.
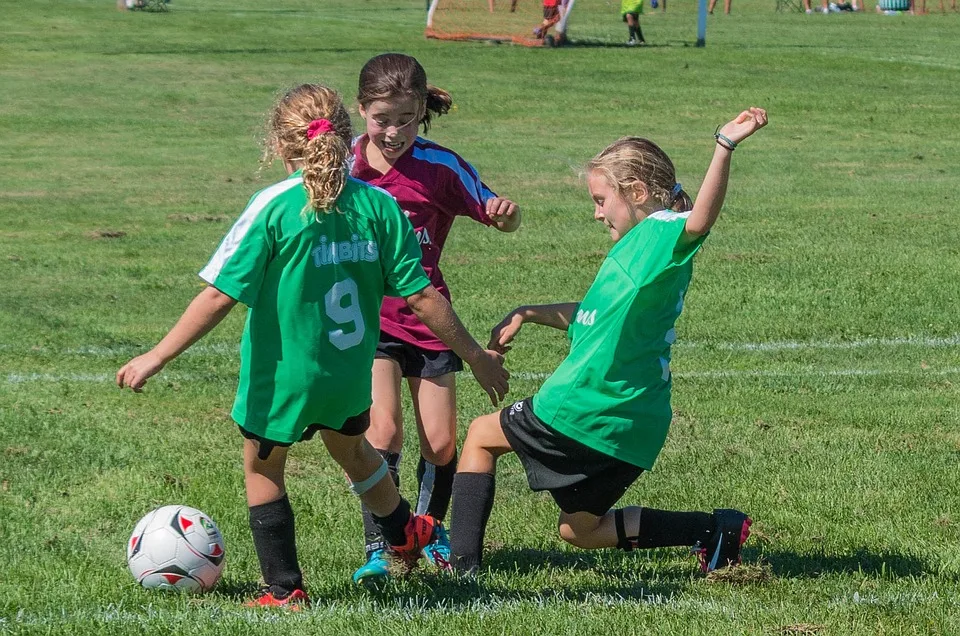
{"x": 487, "y": 366}
{"x": 557, "y": 316}
{"x": 709, "y": 201}
{"x": 203, "y": 314}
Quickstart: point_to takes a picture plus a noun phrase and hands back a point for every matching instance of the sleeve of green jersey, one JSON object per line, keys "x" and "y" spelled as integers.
{"x": 400, "y": 254}
{"x": 672, "y": 236}
{"x": 685, "y": 250}
{"x": 238, "y": 266}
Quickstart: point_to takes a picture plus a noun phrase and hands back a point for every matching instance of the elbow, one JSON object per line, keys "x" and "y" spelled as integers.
{"x": 419, "y": 301}
{"x": 695, "y": 229}
{"x": 219, "y": 299}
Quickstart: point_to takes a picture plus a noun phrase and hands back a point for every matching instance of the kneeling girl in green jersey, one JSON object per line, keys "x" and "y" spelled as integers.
{"x": 313, "y": 256}
{"x": 601, "y": 419}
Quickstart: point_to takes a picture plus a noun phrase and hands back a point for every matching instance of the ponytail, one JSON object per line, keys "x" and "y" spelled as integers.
{"x": 311, "y": 125}
{"x": 325, "y": 170}
{"x": 438, "y": 103}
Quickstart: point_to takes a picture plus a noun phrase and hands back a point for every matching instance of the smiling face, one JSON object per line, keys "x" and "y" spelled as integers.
{"x": 610, "y": 208}
{"x": 392, "y": 125}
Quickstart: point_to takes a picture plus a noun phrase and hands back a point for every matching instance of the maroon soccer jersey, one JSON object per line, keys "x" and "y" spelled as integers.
{"x": 433, "y": 186}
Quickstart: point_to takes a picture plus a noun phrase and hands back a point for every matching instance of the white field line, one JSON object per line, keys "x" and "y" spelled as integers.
{"x": 925, "y": 342}
{"x": 817, "y": 374}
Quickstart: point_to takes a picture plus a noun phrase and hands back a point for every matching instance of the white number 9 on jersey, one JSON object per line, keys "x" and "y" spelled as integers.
{"x": 344, "y": 314}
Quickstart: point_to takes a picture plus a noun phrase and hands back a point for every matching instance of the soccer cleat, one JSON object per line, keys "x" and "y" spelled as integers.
{"x": 632, "y": 42}
{"x": 730, "y": 531}
{"x": 294, "y": 601}
{"x": 375, "y": 571}
{"x": 437, "y": 552}
{"x": 419, "y": 530}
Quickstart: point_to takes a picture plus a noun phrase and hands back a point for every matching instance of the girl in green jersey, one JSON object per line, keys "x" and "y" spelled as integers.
{"x": 313, "y": 257}
{"x": 601, "y": 419}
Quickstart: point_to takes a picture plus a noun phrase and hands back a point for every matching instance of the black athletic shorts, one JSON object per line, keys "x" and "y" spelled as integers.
{"x": 353, "y": 426}
{"x": 579, "y": 478}
{"x": 416, "y": 362}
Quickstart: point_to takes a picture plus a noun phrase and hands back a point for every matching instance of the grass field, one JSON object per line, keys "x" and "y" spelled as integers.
{"x": 817, "y": 366}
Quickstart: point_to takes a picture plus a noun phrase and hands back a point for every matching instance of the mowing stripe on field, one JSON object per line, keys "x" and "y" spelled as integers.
{"x": 924, "y": 342}
{"x": 26, "y": 378}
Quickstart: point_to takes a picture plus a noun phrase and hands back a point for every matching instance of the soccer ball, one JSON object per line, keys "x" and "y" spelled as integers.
{"x": 176, "y": 548}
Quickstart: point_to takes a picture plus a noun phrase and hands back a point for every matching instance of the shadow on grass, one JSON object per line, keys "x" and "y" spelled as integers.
{"x": 863, "y": 561}
{"x": 237, "y": 51}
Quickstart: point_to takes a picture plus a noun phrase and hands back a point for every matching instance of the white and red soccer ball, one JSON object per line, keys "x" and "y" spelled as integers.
{"x": 176, "y": 548}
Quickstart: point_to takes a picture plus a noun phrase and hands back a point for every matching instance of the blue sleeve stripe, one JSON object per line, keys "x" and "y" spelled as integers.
{"x": 469, "y": 178}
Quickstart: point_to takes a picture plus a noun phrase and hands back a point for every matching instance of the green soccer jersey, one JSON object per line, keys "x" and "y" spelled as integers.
{"x": 612, "y": 392}
{"x": 314, "y": 284}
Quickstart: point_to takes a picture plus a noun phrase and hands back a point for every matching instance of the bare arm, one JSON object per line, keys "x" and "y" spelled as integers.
{"x": 709, "y": 201}
{"x": 203, "y": 314}
{"x": 487, "y": 366}
{"x": 558, "y": 316}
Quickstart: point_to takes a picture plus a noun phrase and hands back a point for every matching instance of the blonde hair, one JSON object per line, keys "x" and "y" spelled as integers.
{"x": 632, "y": 160}
{"x": 396, "y": 76}
{"x": 325, "y": 156}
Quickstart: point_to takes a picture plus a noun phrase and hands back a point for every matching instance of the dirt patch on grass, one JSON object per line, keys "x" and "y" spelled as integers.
{"x": 106, "y": 234}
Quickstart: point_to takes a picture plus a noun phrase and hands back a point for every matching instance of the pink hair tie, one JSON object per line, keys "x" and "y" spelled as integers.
{"x": 319, "y": 127}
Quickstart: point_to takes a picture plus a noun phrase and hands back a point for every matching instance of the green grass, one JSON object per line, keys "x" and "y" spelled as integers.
{"x": 837, "y": 431}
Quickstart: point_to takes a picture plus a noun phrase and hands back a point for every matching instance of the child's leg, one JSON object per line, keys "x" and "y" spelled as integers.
{"x": 726, "y": 7}
{"x": 370, "y": 480}
{"x": 435, "y": 405}
{"x": 385, "y": 435}
{"x": 633, "y": 26}
{"x": 712, "y": 4}
{"x": 271, "y": 518}
{"x": 642, "y": 528}
{"x": 716, "y": 538}
{"x": 473, "y": 490}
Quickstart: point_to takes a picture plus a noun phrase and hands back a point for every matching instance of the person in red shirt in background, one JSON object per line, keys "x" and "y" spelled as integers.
{"x": 553, "y": 12}
{"x": 433, "y": 186}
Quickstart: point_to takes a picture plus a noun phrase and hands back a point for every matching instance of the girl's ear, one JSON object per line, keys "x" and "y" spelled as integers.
{"x": 362, "y": 110}
{"x": 638, "y": 193}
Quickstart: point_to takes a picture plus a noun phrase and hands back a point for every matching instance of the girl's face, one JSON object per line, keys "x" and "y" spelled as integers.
{"x": 610, "y": 208}
{"x": 392, "y": 125}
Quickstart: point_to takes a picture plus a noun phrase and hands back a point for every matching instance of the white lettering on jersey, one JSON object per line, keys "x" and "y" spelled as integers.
{"x": 586, "y": 318}
{"x": 423, "y": 237}
{"x": 352, "y": 251}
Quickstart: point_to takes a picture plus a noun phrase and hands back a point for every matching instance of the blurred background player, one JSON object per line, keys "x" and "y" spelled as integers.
{"x": 630, "y": 10}
{"x": 554, "y": 12}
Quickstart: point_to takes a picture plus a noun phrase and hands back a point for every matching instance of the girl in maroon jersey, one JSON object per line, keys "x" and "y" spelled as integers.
{"x": 433, "y": 186}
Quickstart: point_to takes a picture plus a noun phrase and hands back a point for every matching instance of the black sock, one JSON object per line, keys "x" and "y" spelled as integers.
{"x": 666, "y": 528}
{"x": 275, "y": 542}
{"x": 436, "y": 486}
{"x": 633, "y": 32}
{"x": 472, "y": 503}
{"x": 393, "y": 526}
{"x": 640, "y": 33}
{"x": 373, "y": 540}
